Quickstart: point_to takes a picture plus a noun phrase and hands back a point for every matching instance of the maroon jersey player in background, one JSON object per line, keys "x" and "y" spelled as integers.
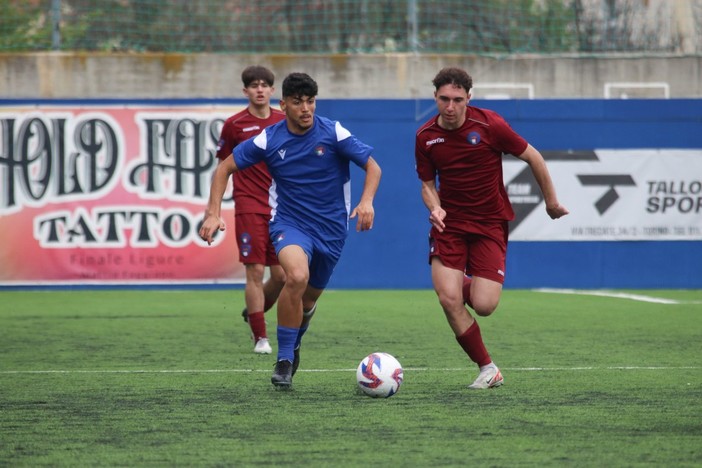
{"x": 251, "y": 208}
{"x": 469, "y": 209}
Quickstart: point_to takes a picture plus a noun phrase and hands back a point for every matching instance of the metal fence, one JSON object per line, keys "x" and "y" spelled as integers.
{"x": 353, "y": 26}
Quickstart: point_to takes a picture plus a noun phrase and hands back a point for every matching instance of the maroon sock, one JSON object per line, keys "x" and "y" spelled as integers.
{"x": 258, "y": 325}
{"x": 472, "y": 343}
{"x": 466, "y": 291}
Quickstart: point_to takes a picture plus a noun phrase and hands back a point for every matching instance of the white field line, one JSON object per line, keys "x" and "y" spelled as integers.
{"x": 410, "y": 369}
{"x": 618, "y": 295}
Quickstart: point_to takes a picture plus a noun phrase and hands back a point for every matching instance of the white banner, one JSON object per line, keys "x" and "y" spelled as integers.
{"x": 612, "y": 195}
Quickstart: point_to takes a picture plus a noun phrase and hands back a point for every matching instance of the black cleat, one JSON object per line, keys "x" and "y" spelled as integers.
{"x": 296, "y": 361}
{"x": 245, "y": 315}
{"x": 282, "y": 374}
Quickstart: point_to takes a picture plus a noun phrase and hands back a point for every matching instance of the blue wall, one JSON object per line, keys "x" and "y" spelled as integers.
{"x": 394, "y": 253}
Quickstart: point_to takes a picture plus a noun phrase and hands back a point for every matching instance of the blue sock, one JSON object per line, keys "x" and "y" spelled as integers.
{"x": 299, "y": 336}
{"x": 286, "y": 342}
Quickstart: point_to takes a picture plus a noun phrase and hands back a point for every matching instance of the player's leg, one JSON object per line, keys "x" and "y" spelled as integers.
{"x": 487, "y": 264}
{"x": 273, "y": 286}
{"x": 448, "y": 285}
{"x": 324, "y": 259}
{"x": 253, "y": 242}
{"x": 276, "y": 281}
{"x": 294, "y": 249}
{"x": 254, "y": 298}
{"x": 309, "y": 307}
{"x": 450, "y": 252}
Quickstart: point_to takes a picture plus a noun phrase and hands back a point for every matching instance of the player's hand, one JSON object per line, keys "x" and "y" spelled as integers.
{"x": 210, "y": 226}
{"x": 557, "y": 211}
{"x": 366, "y": 215}
{"x": 436, "y": 218}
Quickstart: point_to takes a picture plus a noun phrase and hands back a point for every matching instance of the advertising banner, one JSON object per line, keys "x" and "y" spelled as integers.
{"x": 612, "y": 195}
{"x": 111, "y": 194}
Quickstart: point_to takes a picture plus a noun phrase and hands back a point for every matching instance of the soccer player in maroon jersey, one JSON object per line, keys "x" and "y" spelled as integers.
{"x": 469, "y": 209}
{"x": 252, "y": 211}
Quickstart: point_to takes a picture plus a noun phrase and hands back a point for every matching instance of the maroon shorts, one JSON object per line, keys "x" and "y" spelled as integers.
{"x": 478, "y": 249}
{"x": 253, "y": 239}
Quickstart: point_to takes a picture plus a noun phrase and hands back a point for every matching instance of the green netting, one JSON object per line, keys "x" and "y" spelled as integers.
{"x": 353, "y": 26}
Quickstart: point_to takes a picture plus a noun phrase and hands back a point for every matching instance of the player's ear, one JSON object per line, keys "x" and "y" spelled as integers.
{"x": 282, "y": 105}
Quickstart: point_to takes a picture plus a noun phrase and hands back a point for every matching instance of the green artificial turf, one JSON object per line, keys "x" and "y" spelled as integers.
{"x": 168, "y": 378}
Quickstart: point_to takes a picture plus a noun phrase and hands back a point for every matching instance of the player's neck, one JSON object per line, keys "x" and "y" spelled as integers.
{"x": 262, "y": 112}
{"x": 450, "y": 125}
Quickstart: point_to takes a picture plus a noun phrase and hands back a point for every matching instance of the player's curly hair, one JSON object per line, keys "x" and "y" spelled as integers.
{"x": 453, "y": 76}
{"x": 298, "y": 85}
{"x": 256, "y": 73}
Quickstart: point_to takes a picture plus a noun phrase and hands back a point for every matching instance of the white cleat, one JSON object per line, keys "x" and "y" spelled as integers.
{"x": 263, "y": 347}
{"x": 489, "y": 377}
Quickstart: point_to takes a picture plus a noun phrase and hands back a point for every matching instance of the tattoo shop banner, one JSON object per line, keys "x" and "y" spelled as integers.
{"x": 111, "y": 194}
{"x": 612, "y": 195}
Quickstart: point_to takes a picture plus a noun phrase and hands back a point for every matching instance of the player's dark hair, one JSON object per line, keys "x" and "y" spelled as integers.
{"x": 256, "y": 73}
{"x": 298, "y": 85}
{"x": 453, "y": 76}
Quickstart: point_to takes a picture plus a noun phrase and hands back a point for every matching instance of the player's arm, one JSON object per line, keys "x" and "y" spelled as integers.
{"x": 364, "y": 210}
{"x": 431, "y": 199}
{"x": 538, "y": 167}
{"x": 213, "y": 220}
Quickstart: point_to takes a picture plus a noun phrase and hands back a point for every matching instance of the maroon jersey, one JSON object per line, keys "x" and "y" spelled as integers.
{"x": 250, "y": 186}
{"x": 468, "y": 162}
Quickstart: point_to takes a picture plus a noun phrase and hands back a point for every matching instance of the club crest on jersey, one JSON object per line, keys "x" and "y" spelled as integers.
{"x": 473, "y": 138}
{"x": 319, "y": 151}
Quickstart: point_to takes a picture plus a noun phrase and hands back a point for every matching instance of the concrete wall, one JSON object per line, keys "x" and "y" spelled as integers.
{"x": 58, "y": 75}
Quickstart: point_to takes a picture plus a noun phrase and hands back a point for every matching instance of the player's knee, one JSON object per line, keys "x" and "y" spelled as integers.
{"x": 484, "y": 307}
{"x": 449, "y": 301}
{"x": 297, "y": 278}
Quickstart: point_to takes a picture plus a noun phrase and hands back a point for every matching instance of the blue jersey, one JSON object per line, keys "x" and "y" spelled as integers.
{"x": 311, "y": 187}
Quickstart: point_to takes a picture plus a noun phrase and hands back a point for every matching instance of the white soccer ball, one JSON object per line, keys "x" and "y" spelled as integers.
{"x": 379, "y": 375}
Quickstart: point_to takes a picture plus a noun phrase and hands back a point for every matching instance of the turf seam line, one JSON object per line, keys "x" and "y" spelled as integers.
{"x": 411, "y": 369}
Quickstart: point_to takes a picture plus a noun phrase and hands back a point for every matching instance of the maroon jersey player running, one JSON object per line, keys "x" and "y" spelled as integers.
{"x": 252, "y": 211}
{"x": 469, "y": 209}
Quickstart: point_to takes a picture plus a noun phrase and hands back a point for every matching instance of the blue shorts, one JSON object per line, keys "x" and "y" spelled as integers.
{"x": 322, "y": 255}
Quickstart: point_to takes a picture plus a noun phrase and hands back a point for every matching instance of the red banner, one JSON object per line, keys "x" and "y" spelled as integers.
{"x": 111, "y": 194}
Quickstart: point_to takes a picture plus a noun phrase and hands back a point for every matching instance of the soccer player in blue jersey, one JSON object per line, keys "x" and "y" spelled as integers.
{"x": 308, "y": 157}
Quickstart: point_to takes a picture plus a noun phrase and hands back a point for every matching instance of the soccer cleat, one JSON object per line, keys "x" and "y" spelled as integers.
{"x": 245, "y": 315}
{"x": 263, "y": 346}
{"x": 282, "y": 374}
{"x": 489, "y": 377}
{"x": 296, "y": 361}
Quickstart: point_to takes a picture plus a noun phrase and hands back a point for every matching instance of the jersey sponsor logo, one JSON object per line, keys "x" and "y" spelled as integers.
{"x": 281, "y": 152}
{"x": 251, "y": 129}
{"x": 435, "y": 141}
{"x": 319, "y": 151}
{"x": 473, "y": 138}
